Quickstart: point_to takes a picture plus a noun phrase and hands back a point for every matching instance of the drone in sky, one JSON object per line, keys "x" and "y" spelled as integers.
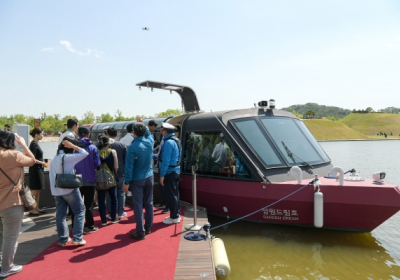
{"x": 145, "y": 28}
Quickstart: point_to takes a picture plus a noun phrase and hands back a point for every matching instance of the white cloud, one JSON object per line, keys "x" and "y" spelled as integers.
{"x": 68, "y": 46}
{"x": 47, "y": 49}
{"x": 97, "y": 53}
{"x": 86, "y": 53}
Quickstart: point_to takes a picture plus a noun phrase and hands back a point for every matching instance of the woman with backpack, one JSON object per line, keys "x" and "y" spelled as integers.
{"x": 106, "y": 180}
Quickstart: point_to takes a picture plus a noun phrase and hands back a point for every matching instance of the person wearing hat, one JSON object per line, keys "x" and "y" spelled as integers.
{"x": 87, "y": 168}
{"x": 169, "y": 168}
{"x": 139, "y": 178}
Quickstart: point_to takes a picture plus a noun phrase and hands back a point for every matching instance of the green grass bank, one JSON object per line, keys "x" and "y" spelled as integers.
{"x": 355, "y": 126}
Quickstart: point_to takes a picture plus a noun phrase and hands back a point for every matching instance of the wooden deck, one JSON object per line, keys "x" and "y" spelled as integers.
{"x": 195, "y": 260}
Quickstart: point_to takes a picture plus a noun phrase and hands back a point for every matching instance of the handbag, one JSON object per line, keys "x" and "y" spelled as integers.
{"x": 68, "y": 181}
{"x": 104, "y": 179}
{"x": 27, "y": 198}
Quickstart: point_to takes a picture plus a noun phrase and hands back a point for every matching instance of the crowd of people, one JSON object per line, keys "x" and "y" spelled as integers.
{"x": 129, "y": 161}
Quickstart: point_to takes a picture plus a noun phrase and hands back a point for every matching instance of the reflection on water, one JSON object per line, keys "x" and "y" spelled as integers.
{"x": 266, "y": 251}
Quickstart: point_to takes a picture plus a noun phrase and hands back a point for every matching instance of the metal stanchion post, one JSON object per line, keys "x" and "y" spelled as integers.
{"x": 194, "y": 226}
{"x": 194, "y": 192}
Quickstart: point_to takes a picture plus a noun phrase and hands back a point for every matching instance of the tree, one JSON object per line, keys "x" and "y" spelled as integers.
{"x": 104, "y": 118}
{"x": 369, "y": 110}
{"x": 19, "y": 118}
{"x": 310, "y": 113}
{"x": 119, "y": 117}
{"x": 88, "y": 118}
{"x": 66, "y": 118}
{"x": 52, "y": 123}
{"x": 170, "y": 112}
{"x": 43, "y": 116}
{"x": 299, "y": 116}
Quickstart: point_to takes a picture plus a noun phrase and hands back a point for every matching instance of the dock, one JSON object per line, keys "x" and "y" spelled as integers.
{"x": 111, "y": 253}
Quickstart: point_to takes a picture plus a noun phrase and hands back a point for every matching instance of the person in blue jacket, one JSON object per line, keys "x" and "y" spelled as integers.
{"x": 139, "y": 178}
{"x": 87, "y": 167}
{"x": 169, "y": 168}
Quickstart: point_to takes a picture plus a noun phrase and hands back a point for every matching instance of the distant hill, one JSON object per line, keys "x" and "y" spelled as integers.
{"x": 320, "y": 110}
{"x": 331, "y": 130}
{"x": 373, "y": 123}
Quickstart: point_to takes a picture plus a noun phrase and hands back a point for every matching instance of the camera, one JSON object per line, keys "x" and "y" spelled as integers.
{"x": 263, "y": 103}
{"x": 379, "y": 176}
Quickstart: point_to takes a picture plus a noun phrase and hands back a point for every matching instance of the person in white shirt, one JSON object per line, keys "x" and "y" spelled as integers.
{"x": 72, "y": 130}
{"x": 128, "y": 138}
{"x": 68, "y": 197}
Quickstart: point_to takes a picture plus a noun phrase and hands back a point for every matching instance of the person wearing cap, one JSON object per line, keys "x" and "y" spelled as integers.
{"x": 72, "y": 130}
{"x": 218, "y": 155}
{"x": 139, "y": 178}
{"x": 128, "y": 138}
{"x": 87, "y": 168}
{"x": 169, "y": 168}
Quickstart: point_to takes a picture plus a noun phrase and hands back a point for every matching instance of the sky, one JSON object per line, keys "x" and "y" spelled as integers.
{"x": 70, "y": 57}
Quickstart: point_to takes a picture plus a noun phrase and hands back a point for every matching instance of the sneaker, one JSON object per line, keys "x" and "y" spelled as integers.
{"x": 147, "y": 229}
{"x": 79, "y": 243}
{"x": 137, "y": 236}
{"x": 109, "y": 216}
{"x": 161, "y": 206}
{"x": 129, "y": 193}
{"x": 123, "y": 215}
{"x": 14, "y": 269}
{"x": 165, "y": 211}
{"x": 169, "y": 221}
{"x": 63, "y": 244}
{"x": 116, "y": 220}
{"x": 88, "y": 230}
{"x": 104, "y": 223}
{"x": 95, "y": 204}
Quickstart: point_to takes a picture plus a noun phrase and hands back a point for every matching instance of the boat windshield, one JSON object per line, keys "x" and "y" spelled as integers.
{"x": 281, "y": 141}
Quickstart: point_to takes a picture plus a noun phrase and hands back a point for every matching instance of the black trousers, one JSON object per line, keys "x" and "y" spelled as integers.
{"x": 171, "y": 185}
{"x": 88, "y": 198}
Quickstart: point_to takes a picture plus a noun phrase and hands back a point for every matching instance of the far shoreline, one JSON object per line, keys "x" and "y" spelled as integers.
{"x": 337, "y": 140}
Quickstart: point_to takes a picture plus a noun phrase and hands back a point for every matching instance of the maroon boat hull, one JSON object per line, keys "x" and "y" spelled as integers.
{"x": 356, "y": 206}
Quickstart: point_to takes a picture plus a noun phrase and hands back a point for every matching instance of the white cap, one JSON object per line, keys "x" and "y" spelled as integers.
{"x": 167, "y": 126}
{"x": 221, "y": 135}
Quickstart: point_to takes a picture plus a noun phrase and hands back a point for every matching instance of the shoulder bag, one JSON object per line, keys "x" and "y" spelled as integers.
{"x": 68, "y": 181}
{"x": 28, "y": 200}
{"x": 104, "y": 178}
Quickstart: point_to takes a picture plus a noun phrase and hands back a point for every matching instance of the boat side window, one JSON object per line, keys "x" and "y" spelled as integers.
{"x": 212, "y": 154}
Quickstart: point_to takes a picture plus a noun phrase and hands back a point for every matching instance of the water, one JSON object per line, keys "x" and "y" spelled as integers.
{"x": 263, "y": 251}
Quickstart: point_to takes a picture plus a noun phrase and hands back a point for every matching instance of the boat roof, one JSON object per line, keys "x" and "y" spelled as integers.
{"x": 188, "y": 96}
{"x": 209, "y": 119}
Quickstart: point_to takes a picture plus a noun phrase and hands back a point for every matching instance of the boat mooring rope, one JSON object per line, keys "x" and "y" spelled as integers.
{"x": 197, "y": 236}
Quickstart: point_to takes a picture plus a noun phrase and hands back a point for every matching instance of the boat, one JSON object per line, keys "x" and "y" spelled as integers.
{"x": 244, "y": 160}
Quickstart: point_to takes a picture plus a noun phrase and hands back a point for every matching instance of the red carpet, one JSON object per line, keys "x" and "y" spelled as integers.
{"x": 111, "y": 254}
